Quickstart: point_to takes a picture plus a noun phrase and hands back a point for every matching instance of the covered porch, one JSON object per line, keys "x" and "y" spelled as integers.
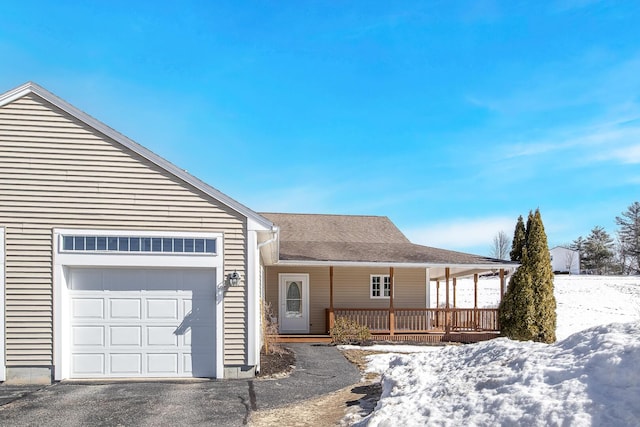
{"x": 432, "y": 318}
{"x": 445, "y": 322}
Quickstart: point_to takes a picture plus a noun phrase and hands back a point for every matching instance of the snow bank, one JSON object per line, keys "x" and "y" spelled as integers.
{"x": 590, "y": 378}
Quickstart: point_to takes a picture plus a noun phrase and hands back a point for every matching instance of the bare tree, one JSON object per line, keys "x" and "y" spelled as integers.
{"x": 501, "y": 246}
{"x": 569, "y": 258}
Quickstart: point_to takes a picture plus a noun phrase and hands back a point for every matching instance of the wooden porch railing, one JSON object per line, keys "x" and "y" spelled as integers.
{"x": 377, "y": 320}
{"x": 418, "y": 320}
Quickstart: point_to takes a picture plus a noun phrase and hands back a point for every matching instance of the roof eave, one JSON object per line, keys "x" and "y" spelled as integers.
{"x": 314, "y": 263}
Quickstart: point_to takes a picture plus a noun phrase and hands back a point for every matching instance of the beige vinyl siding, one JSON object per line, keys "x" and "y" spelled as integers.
{"x": 350, "y": 290}
{"x": 57, "y": 172}
{"x": 318, "y": 293}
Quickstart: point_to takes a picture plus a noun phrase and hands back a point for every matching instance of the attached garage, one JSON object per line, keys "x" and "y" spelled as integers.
{"x": 142, "y": 322}
{"x": 115, "y": 259}
{"x": 127, "y": 311}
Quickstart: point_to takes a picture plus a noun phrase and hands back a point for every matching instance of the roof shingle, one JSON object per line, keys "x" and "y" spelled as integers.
{"x": 355, "y": 238}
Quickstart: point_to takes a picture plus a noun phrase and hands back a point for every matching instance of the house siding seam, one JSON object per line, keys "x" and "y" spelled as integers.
{"x": 59, "y": 173}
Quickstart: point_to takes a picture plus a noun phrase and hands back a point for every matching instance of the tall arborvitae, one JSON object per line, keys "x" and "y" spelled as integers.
{"x": 542, "y": 273}
{"x": 528, "y": 309}
{"x": 517, "y": 309}
{"x": 519, "y": 236}
{"x": 526, "y": 232}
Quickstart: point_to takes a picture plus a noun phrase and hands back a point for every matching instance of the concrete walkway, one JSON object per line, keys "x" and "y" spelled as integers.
{"x": 319, "y": 369}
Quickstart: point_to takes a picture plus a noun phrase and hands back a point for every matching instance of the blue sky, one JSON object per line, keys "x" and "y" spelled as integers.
{"x": 450, "y": 117}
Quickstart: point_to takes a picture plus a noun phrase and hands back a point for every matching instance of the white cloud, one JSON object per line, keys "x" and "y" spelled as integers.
{"x": 628, "y": 155}
{"x": 462, "y": 233}
{"x": 592, "y": 143}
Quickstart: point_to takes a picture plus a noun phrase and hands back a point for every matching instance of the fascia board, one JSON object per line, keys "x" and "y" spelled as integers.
{"x": 294, "y": 263}
{"x": 34, "y": 88}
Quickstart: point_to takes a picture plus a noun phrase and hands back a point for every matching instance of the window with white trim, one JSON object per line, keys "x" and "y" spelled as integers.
{"x": 380, "y": 286}
{"x": 183, "y": 245}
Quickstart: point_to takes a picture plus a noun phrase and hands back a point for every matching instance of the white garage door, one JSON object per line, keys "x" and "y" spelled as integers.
{"x": 142, "y": 322}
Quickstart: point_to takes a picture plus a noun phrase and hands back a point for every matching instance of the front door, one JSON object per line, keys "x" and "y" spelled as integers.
{"x": 294, "y": 303}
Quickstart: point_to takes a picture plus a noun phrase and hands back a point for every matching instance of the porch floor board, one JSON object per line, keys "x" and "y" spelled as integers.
{"x": 424, "y": 337}
{"x": 437, "y": 337}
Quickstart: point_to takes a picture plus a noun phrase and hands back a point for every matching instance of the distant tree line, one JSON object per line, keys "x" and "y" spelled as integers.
{"x": 602, "y": 254}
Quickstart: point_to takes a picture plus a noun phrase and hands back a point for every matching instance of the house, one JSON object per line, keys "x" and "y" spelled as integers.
{"x": 116, "y": 263}
{"x": 364, "y": 268}
{"x": 565, "y": 260}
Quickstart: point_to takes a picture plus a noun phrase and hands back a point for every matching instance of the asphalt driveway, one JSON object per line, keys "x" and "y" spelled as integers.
{"x": 319, "y": 369}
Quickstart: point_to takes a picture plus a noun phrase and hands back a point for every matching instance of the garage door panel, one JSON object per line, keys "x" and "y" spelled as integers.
{"x": 165, "y": 309}
{"x": 186, "y": 363}
{"x": 87, "y": 336}
{"x": 86, "y": 279}
{"x": 199, "y": 364}
{"x": 143, "y": 331}
{"x": 125, "y": 308}
{"x": 198, "y": 312}
{"x": 87, "y": 308}
{"x": 122, "y": 279}
{"x": 126, "y": 335}
{"x": 126, "y": 363}
{"x": 198, "y": 276}
{"x": 162, "y": 336}
{"x": 164, "y": 280}
{"x": 162, "y": 363}
{"x": 88, "y": 364}
{"x": 200, "y": 337}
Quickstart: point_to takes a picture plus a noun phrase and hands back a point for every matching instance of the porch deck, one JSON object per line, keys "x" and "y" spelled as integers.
{"x": 425, "y": 337}
{"x": 426, "y": 325}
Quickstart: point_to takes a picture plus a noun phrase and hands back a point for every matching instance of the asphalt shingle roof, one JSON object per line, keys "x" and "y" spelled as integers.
{"x": 355, "y": 238}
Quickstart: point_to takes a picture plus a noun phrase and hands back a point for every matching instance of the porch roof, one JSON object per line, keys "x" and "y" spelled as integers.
{"x": 351, "y": 239}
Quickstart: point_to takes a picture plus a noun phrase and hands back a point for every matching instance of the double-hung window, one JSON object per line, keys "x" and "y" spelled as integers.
{"x": 380, "y": 286}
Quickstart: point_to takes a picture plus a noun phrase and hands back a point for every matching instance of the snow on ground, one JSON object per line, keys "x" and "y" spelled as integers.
{"x": 585, "y": 301}
{"x": 582, "y": 301}
{"x": 589, "y": 378}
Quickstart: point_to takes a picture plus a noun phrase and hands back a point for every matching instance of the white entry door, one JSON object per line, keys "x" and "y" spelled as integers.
{"x": 128, "y": 322}
{"x": 294, "y": 303}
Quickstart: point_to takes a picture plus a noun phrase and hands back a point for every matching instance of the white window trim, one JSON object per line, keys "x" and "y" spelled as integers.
{"x": 62, "y": 261}
{"x": 382, "y": 276}
{"x": 131, "y": 233}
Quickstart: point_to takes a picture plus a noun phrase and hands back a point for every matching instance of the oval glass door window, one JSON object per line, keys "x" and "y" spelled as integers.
{"x": 294, "y": 299}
